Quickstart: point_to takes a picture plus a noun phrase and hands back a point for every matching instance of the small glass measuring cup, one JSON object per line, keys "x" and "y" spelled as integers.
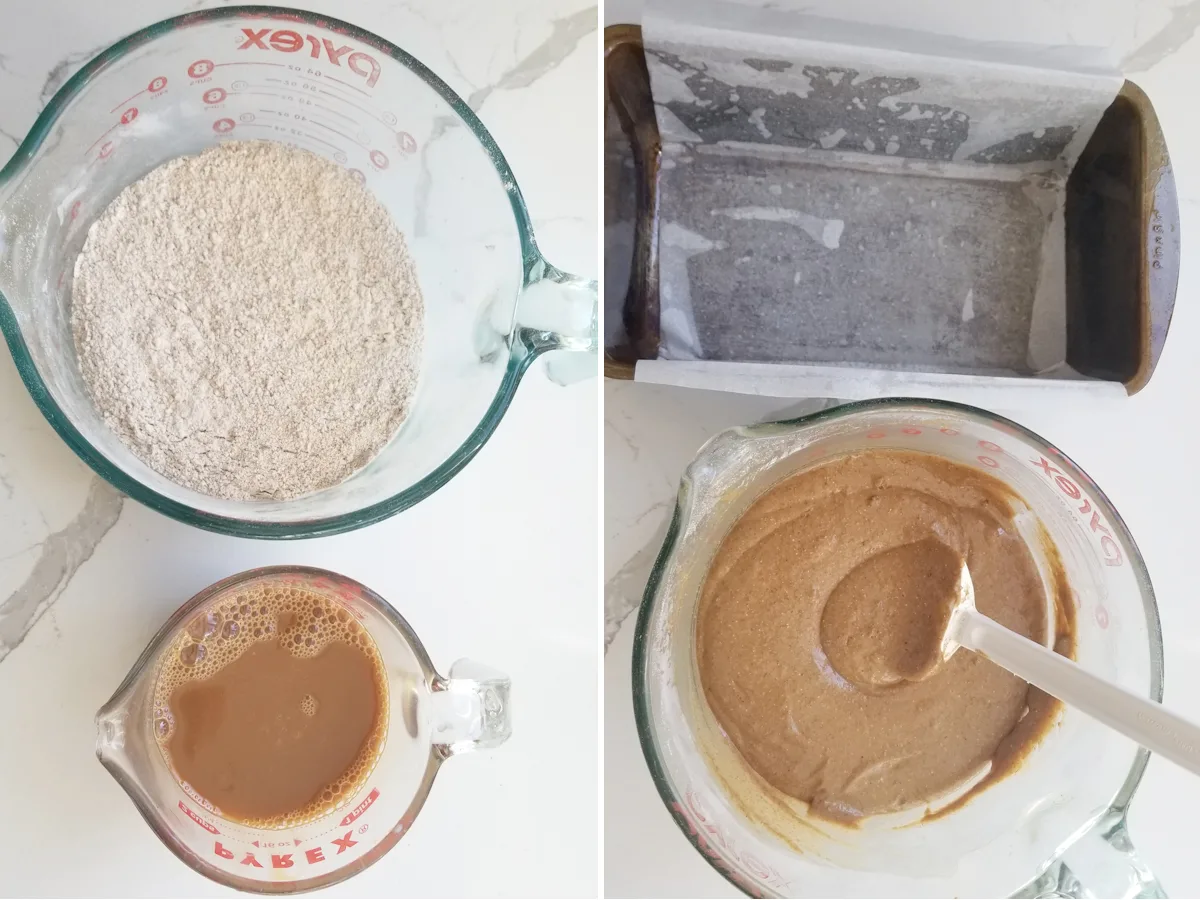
{"x": 492, "y": 302}
{"x": 431, "y": 719}
{"x": 1055, "y": 827}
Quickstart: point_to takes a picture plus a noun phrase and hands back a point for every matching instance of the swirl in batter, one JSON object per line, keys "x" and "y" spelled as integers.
{"x": 879, "y": 531}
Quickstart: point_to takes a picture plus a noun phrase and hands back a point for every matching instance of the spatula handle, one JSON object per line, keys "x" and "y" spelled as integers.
{"x": 1149, "y": 723}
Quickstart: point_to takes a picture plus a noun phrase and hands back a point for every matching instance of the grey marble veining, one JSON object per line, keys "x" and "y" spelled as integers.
{"x": 61, "y": 554}
{"x": 568, "y": 32}
{"x": 651, "y": 434}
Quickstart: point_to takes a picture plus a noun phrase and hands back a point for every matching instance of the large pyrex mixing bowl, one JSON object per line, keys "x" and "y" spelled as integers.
{"x": 492, "y": 303}
{"x": 1055, "y": 827}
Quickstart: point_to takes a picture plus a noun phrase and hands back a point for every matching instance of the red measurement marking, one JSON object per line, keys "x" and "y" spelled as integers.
{"x": 255, "y": 38}
{"x": 199, "y": 821}
{"x": 284, "y": 40}
{"x": 1068, "y": 487}
{"x": 988, "y": 461}
{"x": 358, "y": 176}
{"x": 876, "y": 435}
{"x": 911, "y": 430}
{"x": 949, "y": 431}
{"x": 75, "y": 210}
{"x": 127, "y": 99}
{"x": 1101, "y": 616}
{"x": 97, "y": 141}
{"x": 153, "y": 87}
{"x": 200, "y": 68}
{"x": 362, "y": 807}
{"x": 214, "y": 95}
{"x": 312, "y": 856}
{"x": 713, "y": 841}
{"x": 1108, "y": 545}
{"x": 988, "y": 445}
{"x": 223, "y": 126}
{"x": 129, "y": 115}
{"x": 408, "y": 144}
{"x": 106, "y": 150}
{"x": 344, "y": 843}
{"x": 379, "y": 159}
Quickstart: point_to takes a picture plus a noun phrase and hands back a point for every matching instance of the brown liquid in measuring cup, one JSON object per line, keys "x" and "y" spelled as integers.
{"x": 271, "y": 706}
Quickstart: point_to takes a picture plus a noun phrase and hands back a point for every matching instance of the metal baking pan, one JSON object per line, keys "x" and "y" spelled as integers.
{"x": 1120, "y": 254}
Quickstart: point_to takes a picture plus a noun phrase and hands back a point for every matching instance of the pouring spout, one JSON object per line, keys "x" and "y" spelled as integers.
{"x": 111, "y": 727}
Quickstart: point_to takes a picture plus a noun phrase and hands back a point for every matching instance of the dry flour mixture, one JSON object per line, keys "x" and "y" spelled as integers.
{"x": 248, "y": 321}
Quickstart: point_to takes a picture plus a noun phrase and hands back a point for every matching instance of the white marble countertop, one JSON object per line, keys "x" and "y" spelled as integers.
{"x": 87, "y": 576}
{"x": 1143, "y": 456}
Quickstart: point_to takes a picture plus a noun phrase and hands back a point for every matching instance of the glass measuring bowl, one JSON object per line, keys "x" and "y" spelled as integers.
{"x": 492, "y": 303}
{"x": 1054, "y": 827}
{"x": 431, "y": 719}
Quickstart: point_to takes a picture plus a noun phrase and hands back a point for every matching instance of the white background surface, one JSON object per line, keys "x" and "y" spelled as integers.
{"x": 500, "y": 565}
{"x": 1143, "y": 456}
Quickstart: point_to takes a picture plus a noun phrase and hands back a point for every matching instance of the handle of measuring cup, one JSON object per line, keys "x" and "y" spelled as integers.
{"x": 1101, "y": 863}
{"x": 470, "y": 709}
{"x": 558, "y": 313}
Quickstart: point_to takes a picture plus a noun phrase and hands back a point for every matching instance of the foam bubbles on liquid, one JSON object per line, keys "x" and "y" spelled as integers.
{"x": 191, "y": 655}
{"x": 204, "y": 625}
{"x": 305, "y": 623}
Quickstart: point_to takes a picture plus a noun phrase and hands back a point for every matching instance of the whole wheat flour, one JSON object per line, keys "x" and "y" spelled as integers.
{"x": 248, "y": 321}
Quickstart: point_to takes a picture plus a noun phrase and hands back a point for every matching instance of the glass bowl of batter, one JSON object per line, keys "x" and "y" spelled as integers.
{"x": 804, "y": 809}
{"x": 492, "y": 302}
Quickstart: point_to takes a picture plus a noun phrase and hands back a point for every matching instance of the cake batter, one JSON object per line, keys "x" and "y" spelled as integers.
{"x": 859, "y": 542}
